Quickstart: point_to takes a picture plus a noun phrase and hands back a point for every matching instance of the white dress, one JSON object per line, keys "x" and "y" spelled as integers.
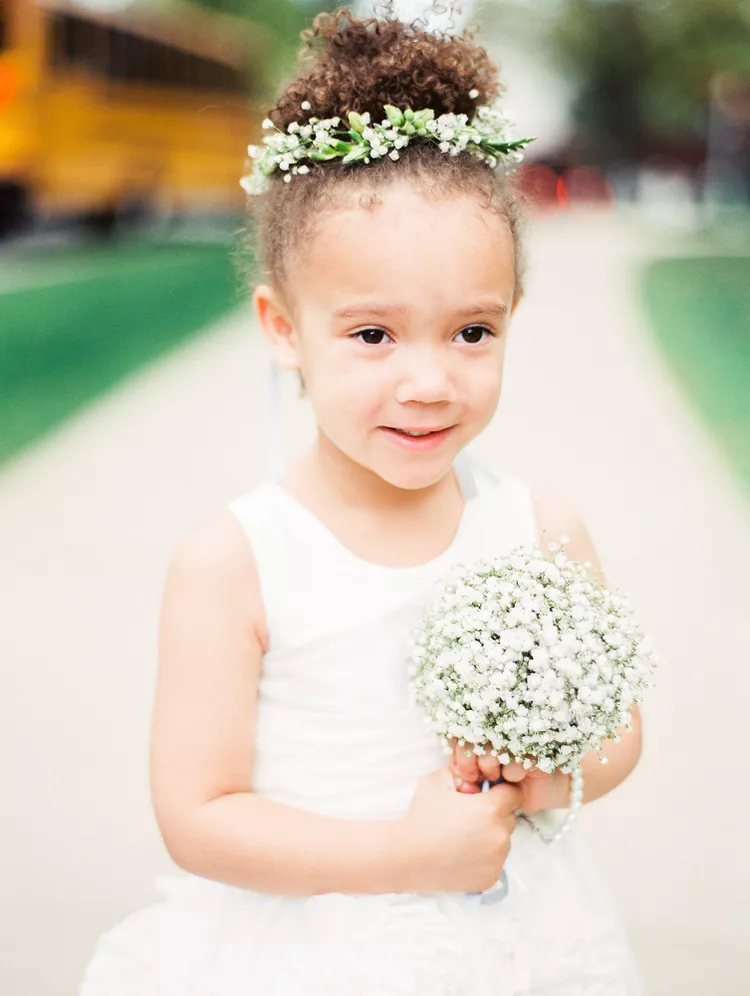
{"x": 336, "y": 735}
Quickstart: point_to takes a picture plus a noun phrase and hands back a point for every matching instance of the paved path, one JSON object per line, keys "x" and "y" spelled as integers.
{"x": 88, "y": 520}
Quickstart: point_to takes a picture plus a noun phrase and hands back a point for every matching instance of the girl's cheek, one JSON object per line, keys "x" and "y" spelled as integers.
{"x": 482, "y": 404}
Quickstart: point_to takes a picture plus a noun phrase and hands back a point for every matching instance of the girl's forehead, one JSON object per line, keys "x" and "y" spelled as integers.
{"x": 401, "y": 208}
{"x": 445, "y": 247}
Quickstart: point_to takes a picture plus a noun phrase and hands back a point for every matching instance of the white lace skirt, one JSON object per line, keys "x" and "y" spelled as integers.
{"x": 555, "y": 934}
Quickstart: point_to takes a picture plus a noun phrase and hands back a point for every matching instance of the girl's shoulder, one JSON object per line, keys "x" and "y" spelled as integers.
{"x": 216, "y": 564}
{"x": 558, "y": 518}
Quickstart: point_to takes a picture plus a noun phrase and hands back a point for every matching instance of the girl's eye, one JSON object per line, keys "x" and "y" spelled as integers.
{"x": 474, "y": 333}
{"x": 371, "y": 337}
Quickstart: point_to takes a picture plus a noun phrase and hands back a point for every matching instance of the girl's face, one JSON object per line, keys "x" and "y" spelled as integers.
{"x": 401, "y": 315}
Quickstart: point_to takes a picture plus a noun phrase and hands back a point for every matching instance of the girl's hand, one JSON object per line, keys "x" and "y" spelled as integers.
{"x": 539, "y": 790}
{"x": 457, "y": 845}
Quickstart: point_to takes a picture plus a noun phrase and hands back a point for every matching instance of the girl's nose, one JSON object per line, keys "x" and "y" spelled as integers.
{"x": 425, "y": 378}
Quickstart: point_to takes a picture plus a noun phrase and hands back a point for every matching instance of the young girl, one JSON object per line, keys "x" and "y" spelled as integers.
{"x": 328, "y": 851}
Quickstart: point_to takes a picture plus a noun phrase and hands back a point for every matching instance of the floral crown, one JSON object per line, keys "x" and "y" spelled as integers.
{"x": 486, "y": 136}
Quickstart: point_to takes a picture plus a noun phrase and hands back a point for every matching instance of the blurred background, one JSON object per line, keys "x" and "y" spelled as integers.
{"x": 135, "y": 400}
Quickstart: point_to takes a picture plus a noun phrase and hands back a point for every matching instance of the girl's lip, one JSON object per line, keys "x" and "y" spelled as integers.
{"x": 423, "y": 429}
{"x": 417, "y": 443}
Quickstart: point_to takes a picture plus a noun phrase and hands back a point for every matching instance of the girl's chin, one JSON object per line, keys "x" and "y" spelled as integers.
{"x": 416, "y": 474}
{"x": 401, "y": 466}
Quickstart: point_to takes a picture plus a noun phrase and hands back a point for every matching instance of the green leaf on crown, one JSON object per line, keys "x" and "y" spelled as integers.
{"x": 356, "y": 122}
{"x": 394, "y": 115}
{"x": 358, "y": 153}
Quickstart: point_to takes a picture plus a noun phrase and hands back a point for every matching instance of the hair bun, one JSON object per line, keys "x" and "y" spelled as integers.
{"x": 360, "y": 64}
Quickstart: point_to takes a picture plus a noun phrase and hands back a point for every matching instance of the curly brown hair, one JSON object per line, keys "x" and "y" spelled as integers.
{"x": 359, "y": 64}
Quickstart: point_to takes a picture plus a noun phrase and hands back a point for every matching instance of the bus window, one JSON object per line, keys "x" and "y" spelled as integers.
{"x": 76, "y": 42}
{"x": 180, "y": 68}
{"x": 206, "y": 78}
{"x": 116, "y": 61}
{"x": 81, "y": 41}
{"x": 62, "y": 46}
{"x": 150, "y": 63}
{"x": 3, "y": 27}
{"x": 168, "y": 69}
{"x": 55, "y": 46}
{"x": 135, "y": 58}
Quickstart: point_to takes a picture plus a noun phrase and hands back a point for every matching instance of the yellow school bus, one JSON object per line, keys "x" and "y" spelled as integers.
{"x": 101, "y": 112}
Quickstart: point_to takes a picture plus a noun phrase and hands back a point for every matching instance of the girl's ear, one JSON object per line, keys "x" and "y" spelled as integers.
{"x": 517, "y": 298}
{"x": 277, "y": 325}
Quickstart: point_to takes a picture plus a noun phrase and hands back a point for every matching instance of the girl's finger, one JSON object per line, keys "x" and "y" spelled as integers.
{"x": 514, "y": 772}
{"x": 467, "y": 766}
{"x": 489, "y": 767}
{"x": 460, "y": 783}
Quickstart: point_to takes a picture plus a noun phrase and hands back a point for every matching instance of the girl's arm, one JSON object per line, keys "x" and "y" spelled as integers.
{"x": 211, "y": 644}
{"x": 556, "y": 517}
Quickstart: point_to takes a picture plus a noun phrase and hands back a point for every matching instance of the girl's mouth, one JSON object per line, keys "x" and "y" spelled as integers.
{"x": 417, "y": 439}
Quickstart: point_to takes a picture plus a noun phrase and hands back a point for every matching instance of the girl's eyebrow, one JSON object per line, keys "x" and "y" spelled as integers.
{"x": 496, "y": 308}
{"x": 366, "y": 310}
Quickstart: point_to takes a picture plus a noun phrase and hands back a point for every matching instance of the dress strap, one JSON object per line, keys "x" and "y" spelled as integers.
{"x": 473, "y": 475}
{"x": 267, "y": 533}
{"x": 506, "y": 503}
{"x": 463, "y": 466}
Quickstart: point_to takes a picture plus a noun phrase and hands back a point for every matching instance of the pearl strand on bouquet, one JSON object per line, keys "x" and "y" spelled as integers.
{"x": 576, "y": 803}
{"x": 497, "y": 893}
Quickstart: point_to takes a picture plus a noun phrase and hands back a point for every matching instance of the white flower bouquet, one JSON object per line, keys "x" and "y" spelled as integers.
{"x": 529, "y": 655}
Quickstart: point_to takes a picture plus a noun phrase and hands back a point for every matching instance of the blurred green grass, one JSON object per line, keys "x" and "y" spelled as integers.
{"x": 83, "y": 318}
{"x": 699, "y": 309}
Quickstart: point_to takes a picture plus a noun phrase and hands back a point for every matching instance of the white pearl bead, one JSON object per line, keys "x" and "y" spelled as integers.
{"x": 576, "y": 803}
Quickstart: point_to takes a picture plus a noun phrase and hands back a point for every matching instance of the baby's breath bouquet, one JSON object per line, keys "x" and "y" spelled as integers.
{"x": 529, "y": 655}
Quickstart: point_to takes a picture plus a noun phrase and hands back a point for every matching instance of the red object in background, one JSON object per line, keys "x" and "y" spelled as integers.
{"x": 551, "y": 190}
{"x": 539, "y": 184}
{"x": 562, "y": 192}
{"x": 8, "y": 83}
{"x": 585, "y": 185}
